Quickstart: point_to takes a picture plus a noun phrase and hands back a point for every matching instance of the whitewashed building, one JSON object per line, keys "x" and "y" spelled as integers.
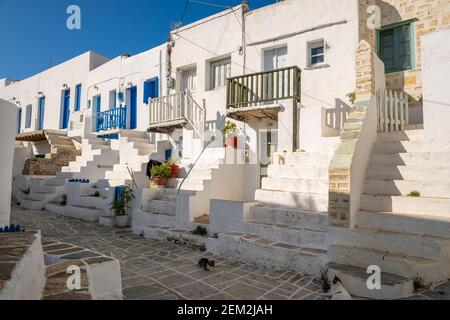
{"x": 331, "y": 167}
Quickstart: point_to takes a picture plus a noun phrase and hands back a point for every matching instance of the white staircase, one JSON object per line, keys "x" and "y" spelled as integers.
{"x": 45, "y": 190}
{"x": 135, "y": 152}
{"x": 287, "y": 227}
{"x": 407, "y": 237}
{"x": 96, "y": 159}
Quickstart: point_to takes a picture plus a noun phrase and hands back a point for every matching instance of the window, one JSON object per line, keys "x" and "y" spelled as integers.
{"x": 189, "y": 80}
{"x": 19, "y": 120}
{"x": 77, "y": 97}
{"x": 112, "y": 99}
{"x": 275, "y": 58}
{"x": 28, "y": 114}
{"x": 150, "y": 89}
{"x": 395, "y": 47}
{"x": 220, "y": 71}
{"x": 316, "y": 53}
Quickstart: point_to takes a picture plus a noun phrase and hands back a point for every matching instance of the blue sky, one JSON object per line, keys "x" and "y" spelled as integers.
{"x": 32, "y": 30}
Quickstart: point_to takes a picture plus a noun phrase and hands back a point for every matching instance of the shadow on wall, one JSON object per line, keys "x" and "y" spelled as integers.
{"x": 335, "y": 118}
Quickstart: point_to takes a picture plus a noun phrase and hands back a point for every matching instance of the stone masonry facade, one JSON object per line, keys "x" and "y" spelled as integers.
{"x": 339, "y": 171}
{"x": 429, "y": 16}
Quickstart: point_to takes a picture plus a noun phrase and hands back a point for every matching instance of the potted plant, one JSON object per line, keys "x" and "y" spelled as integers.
{"x": 160, "y": 174}
{"x": 229, "y": 133}
{"x": 120, "y": 206}
{"x": 174, "y": 168}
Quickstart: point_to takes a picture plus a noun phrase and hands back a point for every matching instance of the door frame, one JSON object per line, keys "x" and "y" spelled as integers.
{"x": 65, "y": 109}
{"x": 41, "y": 112}
{"x": 133, "y": 107}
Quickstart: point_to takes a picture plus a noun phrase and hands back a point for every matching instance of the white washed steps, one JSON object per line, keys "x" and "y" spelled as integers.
{"x": 354, "y": 280}
{"x": 301, "y": 201}
{"x": 419, "y": 205}
{"x": 295, "y": 185}
{"x": 420, "y": 159}
{"x": 400, "y": 147}
{"x": 297, "y": 172}
{"x": 424, "y": 173}
{"x": 163, "y": 207}
{"x": 408, "y": 135}
{"x": 292, "y": 217}
{"x": 265, "y": 253}
{"x": 425, "y": 246}
{"x": 433, "y": 225}
{"x": 397, "y": 263}
{"x": 438, "y": 188}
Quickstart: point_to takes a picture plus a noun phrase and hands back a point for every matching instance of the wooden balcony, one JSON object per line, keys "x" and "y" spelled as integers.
{"x": 176, "y": 111}
{"x": 257, "y": 96}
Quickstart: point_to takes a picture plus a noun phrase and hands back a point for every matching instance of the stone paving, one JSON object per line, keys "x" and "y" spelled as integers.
{"x": 154, "y": 270}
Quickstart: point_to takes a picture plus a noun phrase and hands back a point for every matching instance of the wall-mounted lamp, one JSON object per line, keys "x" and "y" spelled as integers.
{"x": 65, "y": 86}
{"x": 129, "y": 84}
{"x": 95, "y": 88}
{"x": 40, "y": 94}
{"x": 18, "y": 103}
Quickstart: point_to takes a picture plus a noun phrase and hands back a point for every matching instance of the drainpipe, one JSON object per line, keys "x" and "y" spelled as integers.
{"x": 244, "y": 44}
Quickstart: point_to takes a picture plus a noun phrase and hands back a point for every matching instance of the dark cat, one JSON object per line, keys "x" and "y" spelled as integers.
{"x": 206, "y": 264}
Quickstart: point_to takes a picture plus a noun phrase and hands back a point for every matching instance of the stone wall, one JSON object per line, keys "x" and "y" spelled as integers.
{"x": 431, "y": 16}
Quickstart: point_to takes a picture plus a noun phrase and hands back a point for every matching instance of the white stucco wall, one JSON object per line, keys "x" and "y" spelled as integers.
{"x": 7, "y": 134}
{"x": 50, "y": 83}
{"x": 436, "y": 93}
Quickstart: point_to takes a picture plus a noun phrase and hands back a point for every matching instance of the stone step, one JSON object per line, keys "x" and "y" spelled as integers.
{"x": 56, "y": 182}
{"x": 409, "y": 244}
{"x": 93, "y": 202}
{"x": 432, "y": 225}
{"x": 354, "y": 280}
{"x": 139, "y": 140}
{"x": 142, "y": 219}
{"x": 413, "y": 173}
{"x": 400, "y": 147}
{"x": 45, "y": 197}
{"x": 291, "y": 217}
{"x": 32, "y": 204}
{"x": 100, "y": 147}
{"x": 133, "y": 134}
{"x": 265, "y": 253}
{"x": 108, "y": 183}
{"x": 191, "y": 183}
{"x": 82, "y": 213}
{"x": 300, "y": 201}
{"x": 294, "y": 235}
{"x": 55, "y": 208}
{"x": 437, "y": 189}
{"x": 64, "y": 175}
{"x": 117, "y": 175}
{"x": 154, "y": 232}
{"x": 422, "y": 159}
{"x": 408, "y": 135}
{"x": 47, "y": 189}
{"x": 165, "y": 196}
{"x": 308, "y": 159}
{"x": 429, "y": 270}
{"x": 297, "y": 172}
{"x": 162, "y": 207}
{"x": 426, "y": 206}
{"x": 295, "y": 185}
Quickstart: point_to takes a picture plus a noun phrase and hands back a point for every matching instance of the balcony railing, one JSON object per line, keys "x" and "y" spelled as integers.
{"x": 111, "y": 119}
{"x": 264, "y": 87}
{"x": 177, "y": 110}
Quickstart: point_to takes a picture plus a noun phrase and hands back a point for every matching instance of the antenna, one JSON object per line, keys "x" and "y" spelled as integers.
{"x": 50, "y": 60}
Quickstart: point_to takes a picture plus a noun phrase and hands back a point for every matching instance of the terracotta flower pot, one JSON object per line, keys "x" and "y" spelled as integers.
{"x": 231, "y": 142}
{"x": 160, "y": 181}
{"x": 175, "y": 169}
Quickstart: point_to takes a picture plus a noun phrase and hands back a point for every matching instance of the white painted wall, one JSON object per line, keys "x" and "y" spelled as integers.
{"x": 50, "y": 82}
{"x": 7, "y": 144}
{"x": 436, "y": 93}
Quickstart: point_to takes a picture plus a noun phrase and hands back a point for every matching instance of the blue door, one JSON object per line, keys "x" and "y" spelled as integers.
{"x": 41, "y": 113}
{"x": 150, "y": 89}
{"x": 66, "y": 109}
{"x": 98, "y": 109}
{"x": 19, "y": 120}
{"x": 132, "y": 92}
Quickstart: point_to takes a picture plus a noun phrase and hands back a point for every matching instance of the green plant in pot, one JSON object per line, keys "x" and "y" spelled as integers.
{"x": 160, "y": 174}
{"x": 121, "y": 204}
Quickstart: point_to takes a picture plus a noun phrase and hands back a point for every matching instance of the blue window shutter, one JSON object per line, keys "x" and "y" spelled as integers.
{"x": 147, "y": 91}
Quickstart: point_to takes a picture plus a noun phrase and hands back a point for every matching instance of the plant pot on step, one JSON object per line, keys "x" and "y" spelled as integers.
{"x": 122, "y": 221}
{"x": 175, "y": 171}
{"x": 160, "y": 181}
{"x": 107, "y": 221}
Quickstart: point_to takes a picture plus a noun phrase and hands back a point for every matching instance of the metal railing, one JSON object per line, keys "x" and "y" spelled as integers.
{"x": 178, "y": 106}
{"x": 111, "y": 119}
{"x": 263, "y": 87}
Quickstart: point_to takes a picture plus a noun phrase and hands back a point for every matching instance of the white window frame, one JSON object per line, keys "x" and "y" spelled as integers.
{"x": 219, "y": 81}
{"x": 313, "y": 45}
